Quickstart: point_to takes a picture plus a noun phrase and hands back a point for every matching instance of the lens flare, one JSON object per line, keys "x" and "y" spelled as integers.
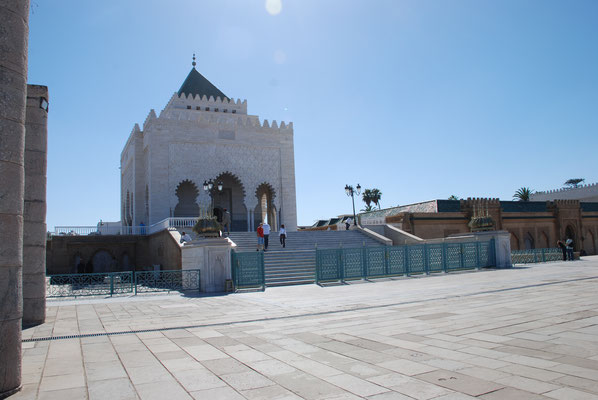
{"x": 273, "y": 6}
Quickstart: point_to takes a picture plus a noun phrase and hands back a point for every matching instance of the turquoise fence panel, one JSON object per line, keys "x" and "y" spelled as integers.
{"x": 417, "y": 259}
{"x": 375, "y": 261}
{"x": 470, "y": 255}
{"x": 397, "y": 264}
{"x": 531, "y": 256}
{"x": 352, "y": 263}
{"x": 453, "y": 256}
{"x": 486, "y": 253}
{"x": 248, "y": 270}
{"x": 167, "y": 281}
{"x": 94, "y": 284}
{"x": 435, "y": 256}
{"x": 328, "y": 265}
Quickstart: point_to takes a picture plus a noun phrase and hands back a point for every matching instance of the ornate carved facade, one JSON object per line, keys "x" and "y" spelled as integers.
{"x": 200, "y": 135}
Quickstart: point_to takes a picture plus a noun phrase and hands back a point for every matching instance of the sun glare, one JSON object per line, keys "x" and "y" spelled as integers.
{"x": 273, "y": 6}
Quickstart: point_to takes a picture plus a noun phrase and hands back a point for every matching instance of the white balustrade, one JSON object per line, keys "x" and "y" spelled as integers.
{"x": 166, "y": 223}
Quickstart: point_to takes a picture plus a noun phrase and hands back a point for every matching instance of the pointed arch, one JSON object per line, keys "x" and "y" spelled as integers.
{"x": 529, "y": 241}
{"x": 187, "y": 193}
{"x": 231, "y": 198}
{"x": 265, "y": 209}
{"x": 514, "y": 241}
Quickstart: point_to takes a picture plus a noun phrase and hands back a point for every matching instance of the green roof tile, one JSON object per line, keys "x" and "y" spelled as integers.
{"x": 197, "y": 84}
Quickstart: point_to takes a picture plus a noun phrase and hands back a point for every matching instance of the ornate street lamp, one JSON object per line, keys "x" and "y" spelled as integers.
{"x": 351, "y": 192}
{"x": 208, "y": 186}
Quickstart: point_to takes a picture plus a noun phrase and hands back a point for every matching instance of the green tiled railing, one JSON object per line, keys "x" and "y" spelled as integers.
{"x": 374, "y": 262}
{"x": 536, "y": 255}
{"x": 129, "y": 282}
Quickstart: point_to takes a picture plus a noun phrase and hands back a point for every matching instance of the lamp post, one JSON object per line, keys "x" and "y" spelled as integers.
{"x": 208, "y": 186}
{"x": 351, "y": 192}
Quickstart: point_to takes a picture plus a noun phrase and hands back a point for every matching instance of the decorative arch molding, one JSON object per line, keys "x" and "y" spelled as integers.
{"x": 514, "y": 241}
{"x": 529, "y": 241}
{"x": 544, "y": 240}
{"x": 234, "y": 178}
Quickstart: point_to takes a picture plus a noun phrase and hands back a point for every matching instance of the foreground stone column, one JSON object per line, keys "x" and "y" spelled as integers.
{"x": 34, "y": 213}
{"x": 13, "y": 77}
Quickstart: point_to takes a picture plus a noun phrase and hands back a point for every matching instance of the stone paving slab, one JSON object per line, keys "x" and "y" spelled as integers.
{"x": 524, "y": 333}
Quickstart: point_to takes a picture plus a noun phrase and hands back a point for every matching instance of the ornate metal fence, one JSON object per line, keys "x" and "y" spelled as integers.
{"x": 374, "y": 262}
{"x": 248, "y": 270}
{"x": 536, "y": 255}
{"x": 109, "y": 284}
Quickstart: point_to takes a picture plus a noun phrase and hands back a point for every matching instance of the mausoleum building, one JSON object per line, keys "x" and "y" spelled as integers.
{"x": 204, "y": 135}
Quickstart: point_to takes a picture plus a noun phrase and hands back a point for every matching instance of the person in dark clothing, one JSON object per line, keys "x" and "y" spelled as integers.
{"x": 563, "y": 249}
{"x": 569, "y": 245}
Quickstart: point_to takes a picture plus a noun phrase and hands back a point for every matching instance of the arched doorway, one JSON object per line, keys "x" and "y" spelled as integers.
{"x": 187, "y": 193}
{"x": 101, "y": 261}
{"x": 570, "y": 234}
{"x": 231, "y": 197}
{"x": 265, "y": 211}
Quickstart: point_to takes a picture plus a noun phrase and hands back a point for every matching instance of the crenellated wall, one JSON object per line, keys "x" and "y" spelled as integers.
{"x": 586, "y": 193}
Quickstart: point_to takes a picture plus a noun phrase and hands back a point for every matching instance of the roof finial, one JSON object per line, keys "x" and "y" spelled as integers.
{"x": 194, "y": 63}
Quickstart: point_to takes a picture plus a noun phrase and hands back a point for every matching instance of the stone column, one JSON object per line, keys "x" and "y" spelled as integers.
{"x": 13, "y": 88}
{"x": 34, "y": 213}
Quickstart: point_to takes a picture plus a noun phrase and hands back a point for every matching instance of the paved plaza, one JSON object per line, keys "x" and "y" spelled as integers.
{"x": 525, "y": 333}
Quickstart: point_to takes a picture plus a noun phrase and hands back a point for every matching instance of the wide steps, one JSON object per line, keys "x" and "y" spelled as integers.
{"x": 296, "y": 263}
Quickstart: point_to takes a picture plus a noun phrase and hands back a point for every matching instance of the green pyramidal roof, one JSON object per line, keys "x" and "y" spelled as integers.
{"x": 197, "y": 84}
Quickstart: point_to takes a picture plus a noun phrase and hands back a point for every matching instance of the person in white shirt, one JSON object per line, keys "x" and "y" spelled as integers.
{"x": 266, "y": 228}
{"x": 185, "y": 238}
{"x": 283, "y": 235}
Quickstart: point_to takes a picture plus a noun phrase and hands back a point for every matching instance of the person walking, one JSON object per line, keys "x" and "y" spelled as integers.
{"x": 569, "y": 244}
{"x": 266, "y": 234}
{"x": 282, "y": 233}
{"x": 260, "y": 237}
{"x": 348, "y": 223}
{"x": 563, "y": 249}
{"x": 226, "y": 222}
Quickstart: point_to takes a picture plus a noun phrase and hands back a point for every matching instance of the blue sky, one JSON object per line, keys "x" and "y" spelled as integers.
{"x": 421, "y": 99}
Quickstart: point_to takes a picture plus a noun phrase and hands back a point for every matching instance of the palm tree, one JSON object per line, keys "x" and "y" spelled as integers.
{"x": 453, "y": 197}
{"x": 574, "y": 182}
{"x": 367, "y": 197}
{"x": 376, "y": 196}
{"x": 368, "y": 208}
{"x": 523, "y": 194}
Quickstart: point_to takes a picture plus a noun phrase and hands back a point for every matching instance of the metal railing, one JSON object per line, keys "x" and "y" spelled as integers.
{"x": 339, "y": 265}
{"x": 536, "y": 255}
{"x": 248, "y": 270}
{"x": 166, "y": 223}
{"x": 129, "y": 282}
{"x": 101, "y": 230}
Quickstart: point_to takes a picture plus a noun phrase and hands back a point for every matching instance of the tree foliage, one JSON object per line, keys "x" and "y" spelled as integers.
{"x": 523, "y": 194}
{"x": 574, "y": 182}
{"x": 370, "y": 196}
{"x": 453, "y": 197}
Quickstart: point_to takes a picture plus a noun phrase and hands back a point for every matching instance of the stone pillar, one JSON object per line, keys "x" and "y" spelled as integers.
{"x": 34, "y": 212}
{"x": 248, "y": 220}
{"x": 13, "y": 88}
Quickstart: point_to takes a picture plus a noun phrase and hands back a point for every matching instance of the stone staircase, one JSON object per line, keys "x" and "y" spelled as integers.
{"x": 296, "y": 263}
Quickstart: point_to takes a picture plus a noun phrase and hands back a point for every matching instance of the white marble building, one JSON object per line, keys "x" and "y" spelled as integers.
{"x": 200, "y": 135}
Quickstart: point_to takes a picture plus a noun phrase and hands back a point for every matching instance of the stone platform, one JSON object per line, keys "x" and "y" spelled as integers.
{"x": 523, "y": 333}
